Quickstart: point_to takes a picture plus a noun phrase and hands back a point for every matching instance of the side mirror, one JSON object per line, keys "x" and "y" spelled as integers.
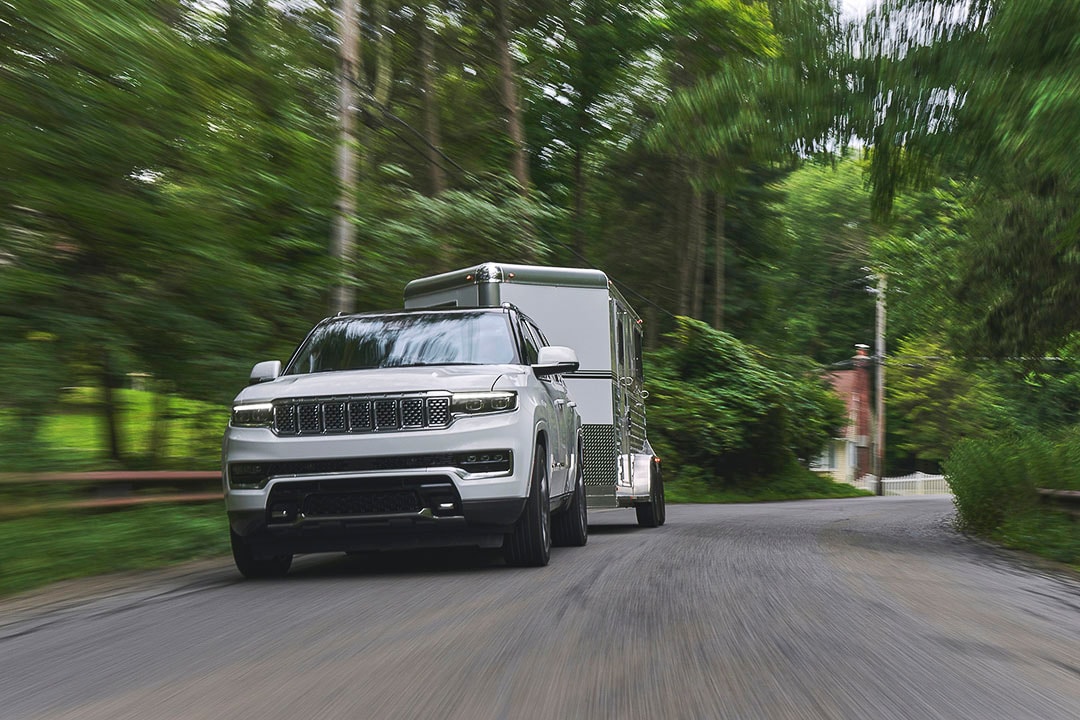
{"x": 264, "y": 372}
{"x": 555, "y": 360}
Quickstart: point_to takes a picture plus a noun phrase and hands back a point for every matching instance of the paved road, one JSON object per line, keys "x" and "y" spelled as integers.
{"x": 864, "y": 609}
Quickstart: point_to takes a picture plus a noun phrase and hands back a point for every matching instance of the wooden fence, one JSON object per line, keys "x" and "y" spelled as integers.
{"x": 34, "y": 493}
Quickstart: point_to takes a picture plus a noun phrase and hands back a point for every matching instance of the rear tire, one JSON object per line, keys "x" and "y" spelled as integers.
{"x": 254, "y": 567}
{"x": 529, "y": 544}
{"x": 570, "y": 528}
{"x": 653, "y": 513}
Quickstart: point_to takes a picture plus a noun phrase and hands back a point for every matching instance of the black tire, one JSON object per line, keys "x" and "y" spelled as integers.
{"x": 570, "y": 528}
{"x": 253, "y": 567}
{"x": 652, "y": 514}
{"x": 660, "y": 499}
{"x": 529, "y": 544}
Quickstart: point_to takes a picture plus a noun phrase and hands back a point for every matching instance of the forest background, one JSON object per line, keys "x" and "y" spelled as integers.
{"x": 168, "y": 195}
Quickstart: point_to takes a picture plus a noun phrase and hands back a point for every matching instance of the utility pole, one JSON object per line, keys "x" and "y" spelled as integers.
{"x": 343, "y": 239}
{"x": 879, "y": 412}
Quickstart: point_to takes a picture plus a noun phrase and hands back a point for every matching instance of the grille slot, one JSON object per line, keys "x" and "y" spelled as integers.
{"x": 309, "y": 418}
{"x": 318, "y": 416}
{"x": 438, "y": 410}
{"x": 360, "y": 416}
{"x": 360, "y": 503}
{"x": 334, "y": 417}
{"x": 285, "y": 419}
{"x": 386, "y": 415}
{"x": 412, "y": 413}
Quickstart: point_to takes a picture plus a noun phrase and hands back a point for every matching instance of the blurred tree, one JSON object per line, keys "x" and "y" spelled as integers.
{"x": 934, "y": 401}
{"x": 985, "y": 89}
{"x": 824, "y": 306}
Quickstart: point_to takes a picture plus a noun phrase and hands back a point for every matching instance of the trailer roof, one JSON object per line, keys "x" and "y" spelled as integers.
{"x": 506, "y": 273}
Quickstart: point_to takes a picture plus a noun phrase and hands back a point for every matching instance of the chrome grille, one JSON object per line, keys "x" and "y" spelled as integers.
{"x": 599, "y": 455}
{"x": 321, "y": 416}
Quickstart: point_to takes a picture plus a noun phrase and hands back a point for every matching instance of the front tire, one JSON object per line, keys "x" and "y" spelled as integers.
{"x": 254, "y": 567}
{"x": 529, "y": 544}
{"x": 570, "y": 528}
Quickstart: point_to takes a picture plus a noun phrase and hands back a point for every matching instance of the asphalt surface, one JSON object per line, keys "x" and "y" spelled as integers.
{"x": 863, "y": 609}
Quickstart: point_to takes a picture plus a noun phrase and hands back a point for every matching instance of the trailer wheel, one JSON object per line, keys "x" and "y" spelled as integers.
{"x": 253, "y": 567}
{"x": 529, "y": 544}
{"x": 653, "y": 513}
{"x": 570, "y": 528}
{"x": 660, "y": 499}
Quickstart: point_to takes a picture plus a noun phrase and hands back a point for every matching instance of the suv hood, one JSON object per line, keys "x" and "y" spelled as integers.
{"x": 452, "y": 378}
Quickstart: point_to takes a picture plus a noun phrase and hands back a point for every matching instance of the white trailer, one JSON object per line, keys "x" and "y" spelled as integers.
{"x": 581, "y": 309}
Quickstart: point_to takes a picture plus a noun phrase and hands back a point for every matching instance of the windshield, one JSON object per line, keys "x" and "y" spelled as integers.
{"x": 362, "y": 343}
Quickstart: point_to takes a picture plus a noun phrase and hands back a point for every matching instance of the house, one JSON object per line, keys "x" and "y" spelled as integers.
{"x": 848, "y": 457}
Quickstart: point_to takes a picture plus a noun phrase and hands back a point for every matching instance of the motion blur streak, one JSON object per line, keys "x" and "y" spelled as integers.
{"x": 867, "y": 608}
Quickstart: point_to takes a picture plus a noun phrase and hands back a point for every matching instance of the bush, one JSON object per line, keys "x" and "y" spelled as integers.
{"x": 728, "y": 415}
{"x": 994, "y": 479}
{"x": 989, "y": 481}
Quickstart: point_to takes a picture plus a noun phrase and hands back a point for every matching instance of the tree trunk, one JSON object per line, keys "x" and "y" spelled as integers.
{"x": 687, "y": 245}
{"x": 698, "y": 221}
{"x": 579, "y": 201}
{"x": 431, "y": 106}
{"x": 344, "y": 232}
{"x": 519, "y": 166}
{"x": 720, "y": 263}
{"x": 384, "y": 56}
{"x": 110, "y": 382}
{"x": 160, "y": 422}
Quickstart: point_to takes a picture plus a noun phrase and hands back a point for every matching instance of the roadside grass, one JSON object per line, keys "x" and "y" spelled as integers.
{"x": 809, "y": 486}
{"x": 43, "y": 549}
{"x": 994, "y": 482}
{"x": 73, "y": 438}
{"x": 1046, "y": 532}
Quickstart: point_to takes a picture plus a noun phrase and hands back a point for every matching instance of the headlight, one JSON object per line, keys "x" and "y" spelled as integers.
{"x": 261, "y": 415}
{"x": 476, "y": 403}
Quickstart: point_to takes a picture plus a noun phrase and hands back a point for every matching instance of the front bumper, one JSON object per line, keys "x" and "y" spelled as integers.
{"x": 310, "y": 504}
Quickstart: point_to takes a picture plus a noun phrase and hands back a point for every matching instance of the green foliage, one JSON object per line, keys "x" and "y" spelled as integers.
{"x": 989, "y": 482}
{"x": 935, "y": 401}
{"x": 69, "y": 434}
{"x": 1045, "y": 532}
{"x": 721, "y": 411}
{"x": 824, "y": 308}
{"x": 994, "y": 481}
{"x": 987, "y": 96}
{"x": 795, "y": 483}
{"x": 39, "y": 550}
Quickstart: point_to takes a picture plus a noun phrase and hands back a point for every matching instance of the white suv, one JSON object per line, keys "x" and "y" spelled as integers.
{"x": 403, "y": 430}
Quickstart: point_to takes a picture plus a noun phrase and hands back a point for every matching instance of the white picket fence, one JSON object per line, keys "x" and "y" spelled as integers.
{"x": 914, "y": 484}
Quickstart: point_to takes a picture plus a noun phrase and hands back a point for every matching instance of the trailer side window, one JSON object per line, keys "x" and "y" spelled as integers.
{"x": 620, "y": 343}
{"x": 639, "y": 366}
